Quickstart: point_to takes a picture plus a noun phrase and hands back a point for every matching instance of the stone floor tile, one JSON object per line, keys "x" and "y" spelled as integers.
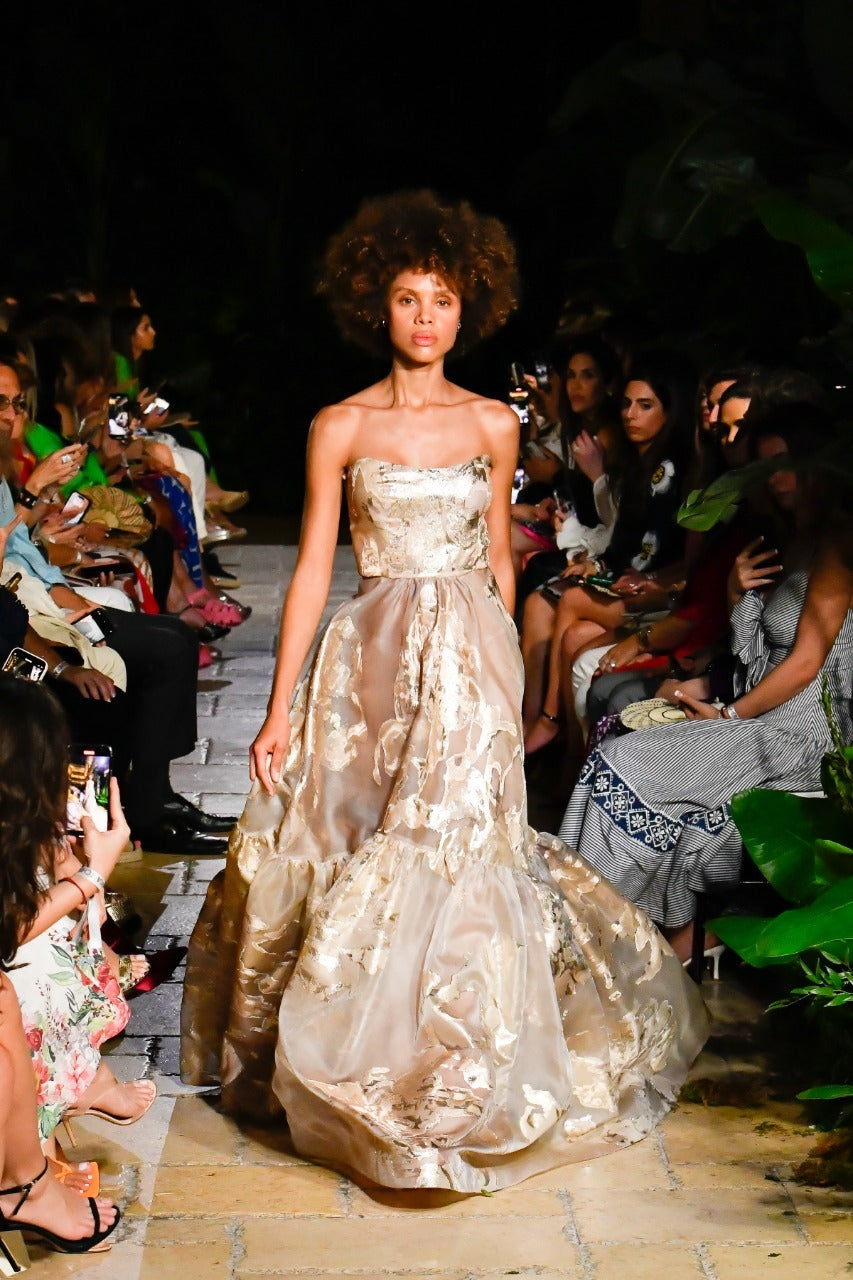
{"x": 646, "y": 1262}
{"x": 199, "y": 1134}
{"x": 511, "y": 1203}
{"x": 826, "y": 1214}
{"x": 269, "y": 1146}
{"x": 186, "y": 1262}
{"x": 178, "y": 917}
{"x": 708, "y": 1176}
{"x": 729, "y": 1215}
{"x": 157, "y": 1010}
{"x": 638, "y": 1166}
{"x": 694, "y": 1133}
{"x": 122, "y": 1262}
{"x": 791, "y": 1262}
{"x": 229, "y": 1190}
{"x": 429, "y": 1245}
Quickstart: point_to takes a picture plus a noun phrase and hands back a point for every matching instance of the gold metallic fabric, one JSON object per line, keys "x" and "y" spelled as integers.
{"x": 432, "y": 993}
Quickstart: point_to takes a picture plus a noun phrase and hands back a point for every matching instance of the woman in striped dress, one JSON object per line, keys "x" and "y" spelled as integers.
{"x": 652, "y": 809}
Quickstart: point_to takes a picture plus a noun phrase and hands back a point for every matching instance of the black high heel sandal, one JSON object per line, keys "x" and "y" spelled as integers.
{"x": 87, "y": 1244}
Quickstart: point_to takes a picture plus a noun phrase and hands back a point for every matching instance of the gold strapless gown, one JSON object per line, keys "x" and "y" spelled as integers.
{"x": 435, "y": 994}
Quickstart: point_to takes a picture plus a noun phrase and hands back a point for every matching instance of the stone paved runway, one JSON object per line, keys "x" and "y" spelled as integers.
{"x": 708, "y": 1197}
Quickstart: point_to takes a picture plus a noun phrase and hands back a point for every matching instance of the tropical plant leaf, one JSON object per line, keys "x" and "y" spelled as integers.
{"x": 825, "y": 924}
{"x": 793, "y": 840}
{"x": 821, "y": 1092}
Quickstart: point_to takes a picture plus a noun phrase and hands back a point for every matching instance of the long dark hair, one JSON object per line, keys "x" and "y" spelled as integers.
{"x": 674, "y": 381}
{"x": 124, "y": 322}
{"x": 33, "y": 789}
{"x": 824, "y": 494}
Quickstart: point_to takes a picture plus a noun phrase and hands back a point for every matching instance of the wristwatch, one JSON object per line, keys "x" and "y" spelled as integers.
{"x": 58, "y": 669}
{"x": 729, "y": 712}
{"x": 27, "y": 499}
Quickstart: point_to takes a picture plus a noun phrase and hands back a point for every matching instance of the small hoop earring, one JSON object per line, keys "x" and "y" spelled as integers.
{"x": 459, "y": 326}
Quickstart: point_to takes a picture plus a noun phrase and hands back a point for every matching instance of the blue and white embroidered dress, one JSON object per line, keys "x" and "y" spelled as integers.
{"x": 652, "y": 809}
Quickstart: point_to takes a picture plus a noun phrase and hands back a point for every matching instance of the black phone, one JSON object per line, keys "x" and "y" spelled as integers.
{"x": 89, "y": 770}
{"x": 95, "y": 626}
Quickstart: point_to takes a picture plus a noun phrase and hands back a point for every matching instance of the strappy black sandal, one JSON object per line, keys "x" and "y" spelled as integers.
{"x": 88, "y": 1244}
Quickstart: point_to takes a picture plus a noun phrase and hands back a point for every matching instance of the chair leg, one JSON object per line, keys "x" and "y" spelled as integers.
{"x": 697, "y": 949}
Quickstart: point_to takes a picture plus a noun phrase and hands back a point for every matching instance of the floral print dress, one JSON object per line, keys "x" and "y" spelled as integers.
{"x": 70, "y": 1004}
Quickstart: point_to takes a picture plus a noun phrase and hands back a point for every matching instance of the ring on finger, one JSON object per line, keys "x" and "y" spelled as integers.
{"x": 66, "y": 458}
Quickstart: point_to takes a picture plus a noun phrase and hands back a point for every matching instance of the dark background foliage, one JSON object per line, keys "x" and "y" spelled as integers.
{"x": 685, "y": 166}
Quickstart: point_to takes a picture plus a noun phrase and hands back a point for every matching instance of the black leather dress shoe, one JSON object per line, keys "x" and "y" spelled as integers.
{"x": 171, "y": 835}
{"x": 178, "y": 807}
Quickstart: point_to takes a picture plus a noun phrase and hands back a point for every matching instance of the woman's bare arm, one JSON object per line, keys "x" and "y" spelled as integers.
{"x": 328, "y": 453}
{"x": 502, "y": 439}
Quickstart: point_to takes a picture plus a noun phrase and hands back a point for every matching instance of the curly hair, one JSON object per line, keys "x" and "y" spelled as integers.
{"x": 33, "y": 788}
{"x": 418, "y": 231}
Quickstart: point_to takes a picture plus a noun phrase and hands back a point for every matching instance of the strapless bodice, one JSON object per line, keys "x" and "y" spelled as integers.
{"x": 418, "y": 522}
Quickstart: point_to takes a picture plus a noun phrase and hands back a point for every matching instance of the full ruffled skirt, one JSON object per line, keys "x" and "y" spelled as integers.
{"x": 435, "y": 995}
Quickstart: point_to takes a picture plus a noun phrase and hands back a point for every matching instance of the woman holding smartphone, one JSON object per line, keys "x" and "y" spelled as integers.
{"x": 70, "y": 996}
{"x": 392, "y": 958}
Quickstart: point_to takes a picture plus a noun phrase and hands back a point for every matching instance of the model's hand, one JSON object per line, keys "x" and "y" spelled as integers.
{"x": 693, "y": 708}
{"x": 753, "y": 568}
{"x": 103, "y": 848}
{"x": 267, "y": 751}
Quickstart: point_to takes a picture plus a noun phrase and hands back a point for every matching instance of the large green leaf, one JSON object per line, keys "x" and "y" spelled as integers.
{"x": 825, "y": 924}
{"x": 828, "y": 247}
{"x": 797, "y": 842}
{"x": 824, "y": 1092}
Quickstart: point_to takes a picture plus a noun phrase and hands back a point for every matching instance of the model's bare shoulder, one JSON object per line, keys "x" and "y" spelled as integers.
{"x": 498, "y": 422}
{"x": 333, "y": 429}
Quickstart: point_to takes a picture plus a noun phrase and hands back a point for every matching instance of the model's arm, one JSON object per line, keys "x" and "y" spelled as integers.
{"x": 829, "y": 596}
{"x": 327, "y": 455}
{"x": 502, "y": 435}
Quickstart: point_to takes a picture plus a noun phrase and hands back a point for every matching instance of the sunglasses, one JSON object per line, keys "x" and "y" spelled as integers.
{"x": 18, "y": 403}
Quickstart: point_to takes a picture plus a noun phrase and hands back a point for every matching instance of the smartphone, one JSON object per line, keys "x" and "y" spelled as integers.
{"x": 564, "y": 503}
{"x": 89, "y": 769}
{"x": 119, "y": 417}
{"x": 542, "y": 374}
{"x": 75, "y": 508}
{"x": 95, "y": 626}
{"x": 92, "y": 572}
{"x": 25, "y": 665}
{"x": 158, "y": 405}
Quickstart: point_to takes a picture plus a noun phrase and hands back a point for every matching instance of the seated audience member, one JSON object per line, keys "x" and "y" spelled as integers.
{"x": 68, "y": 983}
{"x": 32, "y": 1200}
{"x": 644, "y": 559}
{"x": 651, "y": 810}
{"x": 578, "y": 459}
{"x": 160, "y": 657}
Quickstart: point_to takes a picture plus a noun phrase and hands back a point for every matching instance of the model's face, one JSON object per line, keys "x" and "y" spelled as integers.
{"x": 782, "y": 484}
{"x": 643, "y": 415}
{"x": 423, "y": 316}
{"x": 144, "y": 335}
{"x": 11, "y": 412}
{"x": 585, "y": 386}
